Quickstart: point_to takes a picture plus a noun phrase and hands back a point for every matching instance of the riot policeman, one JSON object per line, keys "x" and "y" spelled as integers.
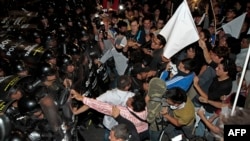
{"x": 36, "y": 125}
{"x": 67, "y": 69}
{"x": 50, "y": 57}
{"x": 5, "y": 127}
{"x": 54, "y": 100}
{"x": 6, "y": 132}
{"x": 11, "y": 90}
{"x": 20, "y": 68}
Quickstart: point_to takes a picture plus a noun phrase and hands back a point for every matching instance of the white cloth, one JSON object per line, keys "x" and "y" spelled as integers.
{"x": 179, "y": 31}
{"x": 241, "y": 57}
{"x": 121, "y": 61}
{"x": 115, "y": 97}
{"x": 234, "y": 27}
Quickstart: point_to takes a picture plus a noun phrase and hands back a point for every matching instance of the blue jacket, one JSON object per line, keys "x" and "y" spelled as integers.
{"x": 183, "y": 82}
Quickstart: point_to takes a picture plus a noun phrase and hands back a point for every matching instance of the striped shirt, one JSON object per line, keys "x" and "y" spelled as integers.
{"x": 106, "y": 108}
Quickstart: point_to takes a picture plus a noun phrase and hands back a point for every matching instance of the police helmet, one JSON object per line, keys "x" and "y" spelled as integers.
{"x": 48, "y": 54}
{"x": 28, "y": 105}
{"x": 5, "y": 127}
{"x": 64, "y": 61}
{"x": 17, "y": 136}
{"x": 83, "y": 33}
{"x": 74, "y": 49}
{"x": 45, "y": 70}
{"x": 62, "y": 35}
{"x": 35, "y": 35}
{"x": 49, "y": 37}
{"x": 18, "y": 66}
{"x": 9, "y": 85}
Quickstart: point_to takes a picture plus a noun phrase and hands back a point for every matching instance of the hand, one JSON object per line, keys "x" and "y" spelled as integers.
{"x": 164, "y": 110}
{"x": 74, "y": 110}
{"x": 130, "y": 43}
{"x": 115, "y": 111}
{"x": 76, "y": 95}
{"x": 67, "y": 82}
{"x": 147, "y": 51}
{"x": 203, "y": 99}
{"x": 207, "y": 8}
{"x": 201, "y": 112}
{"x": 168, "y": 66}
{"x": 202, "y": 44}
{"x": 164, "y": 59}
{"x": 100, "y": 36}
{"x": 145, "y": 87}
{"x": 196, "y": 80}
{"x": 136, "y": 45}
{"x": 223, "y": 98}
{"x": 97, "y": 62}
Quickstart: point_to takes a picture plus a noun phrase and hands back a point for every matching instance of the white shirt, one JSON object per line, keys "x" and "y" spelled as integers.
{"x": 115, "y": 97}
{"x": 121, "y": 61}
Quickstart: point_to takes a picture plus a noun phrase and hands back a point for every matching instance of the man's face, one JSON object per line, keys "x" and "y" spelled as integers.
{"x": 134, "y": 26}
{"x": 16, "y": 95}
{"x": 112, "y": 136}
{"x": 50, "y": 80}
{"x": 70, "y": 68}
{"x": 244, "y": 43}
{"x": 191, "y": 53}
{"x": 215, "y": 57}
{"x": 23, "y": 73}
{"x": 230, "y": 14}
{"x": 123, "y": 29}
{"x": 156, "y": 44}
{"x": 181, "y": 67}
{"x": 142, "y": 76}
{"x": 52, "y": 61}
{"x": 220, "y": 70}
{"x": 147, "y": 24}
{"x": 160, "y": 24}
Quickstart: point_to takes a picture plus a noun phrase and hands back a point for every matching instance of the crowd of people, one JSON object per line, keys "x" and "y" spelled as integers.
{"x": 66, "y": 62}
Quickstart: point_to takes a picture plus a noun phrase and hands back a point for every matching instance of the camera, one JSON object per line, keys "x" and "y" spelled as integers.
{"x": 103, "y": 32}
{"x": 100, "y": 26}
{"x": 97, "y": 20}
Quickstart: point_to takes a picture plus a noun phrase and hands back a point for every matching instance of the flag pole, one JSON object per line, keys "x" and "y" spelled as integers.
{"x": 215, "y": 20}
{"x": 172, "y": 9}
{"x": 241, "y": 80}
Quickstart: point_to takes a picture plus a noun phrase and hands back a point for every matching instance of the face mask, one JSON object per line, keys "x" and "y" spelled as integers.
{"x": 182, "y": 105}
{"x": 173, "y": 107}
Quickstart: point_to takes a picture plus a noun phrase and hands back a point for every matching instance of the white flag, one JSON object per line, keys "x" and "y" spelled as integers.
{"x": 202, "y": 19}
{"x": 179, "y": 31}
{"x": 248, "y": 32}
{"x": 234, "y": 27}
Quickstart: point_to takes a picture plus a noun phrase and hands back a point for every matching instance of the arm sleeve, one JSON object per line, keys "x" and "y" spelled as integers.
{"x": 99, "y": 106}
{"x": 180, "y": 81}
{"x": 164, "y": 75}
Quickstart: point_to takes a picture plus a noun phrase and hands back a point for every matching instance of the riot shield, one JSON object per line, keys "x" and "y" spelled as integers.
{"x": 30, "y": 53}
